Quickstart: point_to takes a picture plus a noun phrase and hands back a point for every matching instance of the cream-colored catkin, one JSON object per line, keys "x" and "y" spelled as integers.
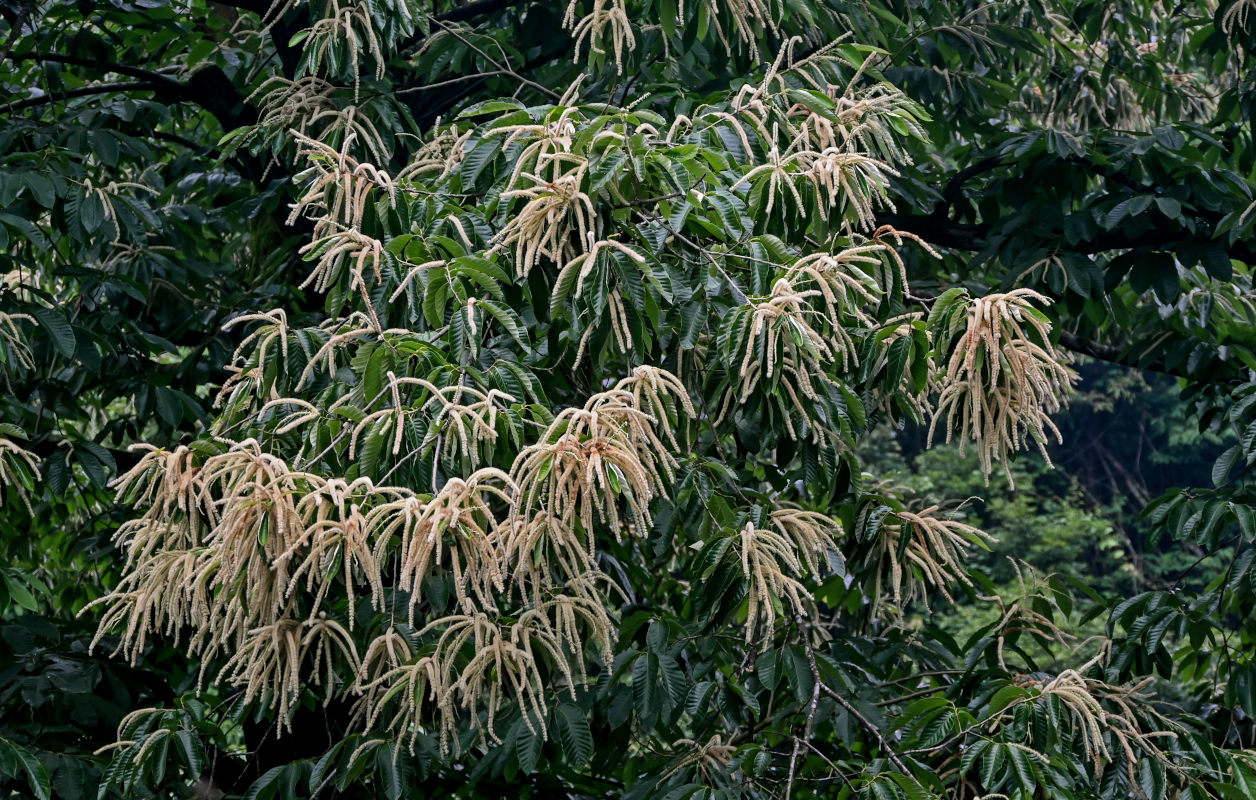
{"x": 1003, "y": 380}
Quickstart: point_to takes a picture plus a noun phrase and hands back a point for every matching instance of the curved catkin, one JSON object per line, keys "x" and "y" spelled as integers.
{"x": 556, "y": 211}
{"x": 607, "y": 20}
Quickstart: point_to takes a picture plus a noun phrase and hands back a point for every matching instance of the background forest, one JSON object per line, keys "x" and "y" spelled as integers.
{"x": 627, "y": 398}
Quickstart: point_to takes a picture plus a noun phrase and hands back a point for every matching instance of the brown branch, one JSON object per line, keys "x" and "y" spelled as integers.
{"x": 846, "y": 704}
{"x": 1103, "y": 352}
{"x": 1115, "y": 355}
{"x": 941, "y": 231}
{"x": 812, "y": 707}
{"x": 868, "y": 726}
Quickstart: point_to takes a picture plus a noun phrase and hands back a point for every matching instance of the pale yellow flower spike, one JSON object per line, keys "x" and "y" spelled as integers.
{"x": 932, "y": 560}
{"x": 607, "y": 20}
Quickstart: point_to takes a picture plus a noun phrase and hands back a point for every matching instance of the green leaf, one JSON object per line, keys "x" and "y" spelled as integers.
{"x": 1119, "y": 212}
{"x": 765, "y": 669}
{"x": 574, "y": 734}
{"x": 41, "y": 189}
{"x": 480, "y": 155}
{"x": 1169, "y": 207}
{"x": 1221, "y": 469}
{"x": 509, "y": 320}
{"x": 528, "y": 745}
{"x": 58, "y": 327}
{"x": 1217, "y": 263}
{"x": 266, "y": 785}
{"x": 386, "y": 767}
{"x": 36, "y": 774}
{"x": 19, "y": 592}
{"x": 191, "y": 750}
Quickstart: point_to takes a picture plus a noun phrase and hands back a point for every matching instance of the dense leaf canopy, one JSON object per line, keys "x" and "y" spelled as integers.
{"x": 417, "y": 399}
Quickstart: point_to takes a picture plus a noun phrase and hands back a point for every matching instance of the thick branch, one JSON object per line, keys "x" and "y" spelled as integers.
{"x": 1114, "y": 355}
{"x": 104, "y": 66}
{"x": 85, "y": 91}
{"x": 940, "y": 231}
{"x": 1103, "y": 352}
{"x": 476, "y": 9}
{"x": 955, "y": 185}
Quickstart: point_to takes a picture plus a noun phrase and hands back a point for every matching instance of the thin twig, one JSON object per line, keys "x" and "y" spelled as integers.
{"x": 503, "y": 69}
{"x": 846, "y": 704}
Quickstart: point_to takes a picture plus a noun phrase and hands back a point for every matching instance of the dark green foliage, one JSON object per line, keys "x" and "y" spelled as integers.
{"x": 1098, "y": 153}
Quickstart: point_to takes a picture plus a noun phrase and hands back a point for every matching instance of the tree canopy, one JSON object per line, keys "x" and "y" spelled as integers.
{"x": 453, "y": 399}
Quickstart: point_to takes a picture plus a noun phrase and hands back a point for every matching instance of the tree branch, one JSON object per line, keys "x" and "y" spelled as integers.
{"x": 939, "y": 230}
{"x": 85, "y": 91}
{"x": 846, "y": 704}
{"x": 1114, "y": 355}
{"x": 955, "y": 185}
{"x": 103, "y": 66}
{"x": 475, "y": 9}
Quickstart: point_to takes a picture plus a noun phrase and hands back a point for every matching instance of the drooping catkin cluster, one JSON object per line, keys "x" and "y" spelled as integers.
{"x": 921, "y": 552}
{"x": 799, "y": 330}
{"x": 602, "y": 464}
{"x": 607, "y": 20}
{"x": 270, "y": 568}
{"x": 860, "y": 120}
{"x": 750, "y": 19}
{"x": 772, "y": 569}
{"x": 794, "y": 544}
{"x": 258, "y": 376}
{"x": 457, "y": 530}
{"x": 1104, "y": 714}
{"x": 1030, "y": 610}
{"x": 352, "y": 24}
{"x": 1236, "y": 16}
{"x": 555, "y": 209}
{"x": 306, "y": 107}
{"x": 557, "y": 220}
{"x": 837, "y": 159}
{"x": 594, "y": 262}
{"x": 222, "y": 545}
{"x": 19, "y": 468}
{"x": 1003, "y": 380}
{"x": 339, "y": 193}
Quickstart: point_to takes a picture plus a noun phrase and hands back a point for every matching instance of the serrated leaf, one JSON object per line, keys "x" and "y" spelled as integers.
{"x": 58, "y": 327}
{"x": 19, "y": 592}
{"x": 265, "y": 784}
{"x": 528, "y": 746}
{"x": 574, "y": 734}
